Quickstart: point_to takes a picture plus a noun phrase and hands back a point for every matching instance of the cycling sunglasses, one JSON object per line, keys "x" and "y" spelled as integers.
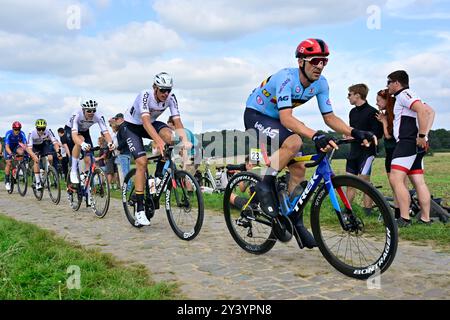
{"x": 91, "y": 110}
{"x": 316, "y": 60}
{"x": 41, "y": 129}
{"x": 164, "y": 90}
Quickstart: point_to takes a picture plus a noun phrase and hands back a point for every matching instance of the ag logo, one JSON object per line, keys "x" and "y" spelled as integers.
{"x": 285, "y": 98}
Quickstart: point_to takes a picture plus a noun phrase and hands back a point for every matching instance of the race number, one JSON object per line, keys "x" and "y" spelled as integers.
{"x": 255, "y": 155}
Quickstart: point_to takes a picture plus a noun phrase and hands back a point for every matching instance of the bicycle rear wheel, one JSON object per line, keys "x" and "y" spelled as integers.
{"x": 247, "y": 224}
{"x": 129, "y": 199}
{"x": 74, "y": 194}
{"x": 355, "y": 243}
{"x": 22, "y": 180}
{"x": 53, "y": 185}
{"x": 100, "y": 193}
{"x": 184, "y": 205}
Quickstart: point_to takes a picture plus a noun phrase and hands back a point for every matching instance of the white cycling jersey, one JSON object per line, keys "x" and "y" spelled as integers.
{"x": 34, "y": 138}
{"x": 146, "y": 103}
{"x": 78, "y": 122}
{"x": 405, "y": 119}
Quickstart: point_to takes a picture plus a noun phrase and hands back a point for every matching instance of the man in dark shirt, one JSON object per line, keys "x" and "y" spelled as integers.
{"x": 65, "y": 153}
{"x": 362, "y": 117}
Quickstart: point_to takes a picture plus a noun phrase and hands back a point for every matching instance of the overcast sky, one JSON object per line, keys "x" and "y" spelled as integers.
{"x": 217, "y": 52}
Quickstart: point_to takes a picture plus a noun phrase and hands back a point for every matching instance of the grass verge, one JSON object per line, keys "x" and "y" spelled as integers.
{"x": 34, "y": 265}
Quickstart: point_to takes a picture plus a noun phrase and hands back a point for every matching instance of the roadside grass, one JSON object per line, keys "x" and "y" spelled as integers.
{"x": 34, "y": 264}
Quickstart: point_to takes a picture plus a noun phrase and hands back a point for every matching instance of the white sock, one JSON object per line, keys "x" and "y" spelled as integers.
{"x": 38, "y": 177}
{"x": 74, "y": 164}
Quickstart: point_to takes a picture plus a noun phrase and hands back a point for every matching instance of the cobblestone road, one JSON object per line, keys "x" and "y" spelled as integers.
{"x": 214, "y": 267}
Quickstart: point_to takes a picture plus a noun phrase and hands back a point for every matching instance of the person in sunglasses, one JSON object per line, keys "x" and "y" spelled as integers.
{"x": 39, "y": 142}
{"x": 15, "y": 143}
{"x": 269, "y": 112}
{"x": 140, "y": 122}
{"x": 78, "y": 136}
{"x": 413, "y": 120}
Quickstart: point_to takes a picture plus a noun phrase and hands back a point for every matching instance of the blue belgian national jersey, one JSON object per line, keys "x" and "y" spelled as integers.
{"x": 284, "y": 90}
{"x": 13, "y": 141}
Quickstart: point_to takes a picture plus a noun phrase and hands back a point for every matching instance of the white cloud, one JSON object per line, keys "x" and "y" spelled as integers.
{"x": 85, "y": 55}
{"x": 228, "y": 19}
{"x": 43, "y": 17}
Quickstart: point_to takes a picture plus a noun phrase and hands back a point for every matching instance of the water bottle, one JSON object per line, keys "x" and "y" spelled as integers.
{"x": 151, "y": 185}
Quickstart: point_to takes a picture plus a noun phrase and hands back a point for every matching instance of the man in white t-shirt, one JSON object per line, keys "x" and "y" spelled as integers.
{"x": 412, "y": 122}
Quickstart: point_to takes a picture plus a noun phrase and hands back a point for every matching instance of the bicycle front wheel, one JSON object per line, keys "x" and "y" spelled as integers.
{"x": 53, "y": 185}
{"x": 22, "y": 180}
{"x": 100, "y": 193}
{"x": 184, "y": 205}
{"x": 361, "y": 240}
{"x": 37, "y": 193}
{"x": 248, "y": 225}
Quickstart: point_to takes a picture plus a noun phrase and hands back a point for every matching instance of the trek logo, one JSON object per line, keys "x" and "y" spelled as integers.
{"x": 271, "y": 133}
{"x": 306, "y": 192}
{"x": 285, "y": 98}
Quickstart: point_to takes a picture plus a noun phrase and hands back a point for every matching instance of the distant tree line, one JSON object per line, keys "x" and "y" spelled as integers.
{"x": 227, "y": 143}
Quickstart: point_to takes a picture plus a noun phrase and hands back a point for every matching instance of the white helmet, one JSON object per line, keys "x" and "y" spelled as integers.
{"x": 163, "y": 81}
{"x": 89, "y": 105}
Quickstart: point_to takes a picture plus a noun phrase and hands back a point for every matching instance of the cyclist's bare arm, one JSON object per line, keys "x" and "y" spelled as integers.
{"x": 8, "y": 149}
{"x": 425, "y": 116}
{"x": 146, "y": 121}
{"x": 180, "y": 129}
{"x": 337, "y": 124}
{"x": 108, "y": 139}
{"x": 293, "y": 124}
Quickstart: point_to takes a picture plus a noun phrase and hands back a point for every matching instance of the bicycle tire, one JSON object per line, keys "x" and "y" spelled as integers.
{"x": 127, "y": 199}
{"x": 22, "y": 180}
{"x": 234, "y": 216}
{"x": 53, "y": 180}
{"x": 38, "y": 194}
{"x": 73, "y": 194}
{"x": 102, "y": 189}
{"x": 181, "y": 180}
{"x": 386, "y": 238}
{"x": 436, "y": 211}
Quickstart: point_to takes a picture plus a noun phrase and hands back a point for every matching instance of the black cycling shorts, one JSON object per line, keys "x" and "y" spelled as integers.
{"x": 266, "y": 128}
{"x": 43, "y": 149}
{"x": 85, "y": 134}
{"x": 133, "y": 135}
{"x": 360, "y": 165}
{"x": 408, "y": 157}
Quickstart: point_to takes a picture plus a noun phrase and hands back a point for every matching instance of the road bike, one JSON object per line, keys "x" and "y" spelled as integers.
{"x": 93, "y": 187}
{"x": 355, "y": 244}
{"x": 183, "y": 199}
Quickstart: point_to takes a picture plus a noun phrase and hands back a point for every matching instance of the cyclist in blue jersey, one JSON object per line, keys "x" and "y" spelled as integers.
{"x": 15, "y": 143}
{"x": 269, "y": 113}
